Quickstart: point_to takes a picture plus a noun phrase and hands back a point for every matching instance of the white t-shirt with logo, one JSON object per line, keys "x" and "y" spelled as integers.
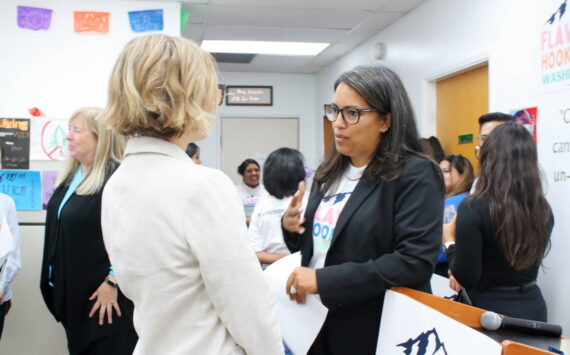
{"x": 265, "y": 233}
{"x": 328, "y": 212}
{"x": 249, "y": 196}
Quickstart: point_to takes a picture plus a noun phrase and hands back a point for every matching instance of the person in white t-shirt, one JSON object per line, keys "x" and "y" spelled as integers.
{"x": 13, "y": 263}
{"x": 282, "y": 172}
{"x": 250, "y": 190}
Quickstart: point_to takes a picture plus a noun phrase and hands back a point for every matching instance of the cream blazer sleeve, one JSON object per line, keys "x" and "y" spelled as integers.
{"x": 217, "y": 234}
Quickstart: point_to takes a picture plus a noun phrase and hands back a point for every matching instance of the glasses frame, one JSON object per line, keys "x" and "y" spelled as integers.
{"x": 341, "y": 110}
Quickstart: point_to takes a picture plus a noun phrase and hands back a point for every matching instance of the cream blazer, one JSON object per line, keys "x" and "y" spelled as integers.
{"x": 176, "y": 237}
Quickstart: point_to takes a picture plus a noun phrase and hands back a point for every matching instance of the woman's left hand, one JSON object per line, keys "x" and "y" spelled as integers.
{"x": 449, "y": 231}
{"x": 106, "y": 300}
{"x": 302, "y": 281}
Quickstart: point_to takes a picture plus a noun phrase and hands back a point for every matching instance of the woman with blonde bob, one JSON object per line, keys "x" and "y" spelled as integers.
{"x": 174, "y": 230}
{"x": 77, "y": 281}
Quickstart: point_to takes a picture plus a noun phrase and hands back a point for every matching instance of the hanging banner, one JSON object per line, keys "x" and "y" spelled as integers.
{"x": 146, "y": 20}
{"x": 91, "y": 21}
{"x": 34, "y": 18}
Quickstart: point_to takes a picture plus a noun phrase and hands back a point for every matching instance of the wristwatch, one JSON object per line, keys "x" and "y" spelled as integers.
{"x": 448, "y": 244}
{"x": 110, "y": 282}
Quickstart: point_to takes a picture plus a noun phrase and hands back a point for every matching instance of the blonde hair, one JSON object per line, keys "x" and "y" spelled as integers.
{"x": 110, "y": 149}
{"x": 163, "y": 87}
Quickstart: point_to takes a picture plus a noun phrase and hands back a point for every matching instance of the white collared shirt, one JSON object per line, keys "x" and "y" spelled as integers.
{"x": 14, "y": 263}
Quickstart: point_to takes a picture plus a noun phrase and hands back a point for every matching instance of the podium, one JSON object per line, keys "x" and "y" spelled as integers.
{"x": 415, "y": 322}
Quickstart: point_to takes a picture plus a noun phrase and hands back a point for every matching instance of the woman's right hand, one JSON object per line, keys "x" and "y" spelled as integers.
{"x": 292, "y": 218}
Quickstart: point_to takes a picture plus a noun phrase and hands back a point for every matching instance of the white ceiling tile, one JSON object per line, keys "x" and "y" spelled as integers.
{"x": 337, "y": 50}
{"x": 273, "y": 34}
{"x": 402, "y": 5}
{"x": 380, "y": 20}
{"x": 364, "y": 5}
{"x": 356, "y": 37}
{"x": 294, "y": 18}
{"x": 323, "y": 60}
{"x": 344, "y": 23}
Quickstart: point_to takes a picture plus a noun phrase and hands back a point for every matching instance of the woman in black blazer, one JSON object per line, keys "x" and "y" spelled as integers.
{"x": 374, "y": 217}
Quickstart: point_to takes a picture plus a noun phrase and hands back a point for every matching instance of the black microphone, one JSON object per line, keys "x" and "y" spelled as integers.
{"x": 493, "y": 321}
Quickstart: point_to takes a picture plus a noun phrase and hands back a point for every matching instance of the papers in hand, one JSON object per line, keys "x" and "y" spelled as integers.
{"x": 300, "y": 323}
{"x": 6, "y": 242}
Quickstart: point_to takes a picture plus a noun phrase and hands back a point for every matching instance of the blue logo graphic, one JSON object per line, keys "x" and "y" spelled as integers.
{"x": 422, "y": 342}
{"x": 560, "y": 12}
{"x": 338, "y": 197}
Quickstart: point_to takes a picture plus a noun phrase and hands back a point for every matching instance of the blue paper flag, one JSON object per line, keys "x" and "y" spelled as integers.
{"x": 146, "y": 20}
{"x": 24, "y": 187}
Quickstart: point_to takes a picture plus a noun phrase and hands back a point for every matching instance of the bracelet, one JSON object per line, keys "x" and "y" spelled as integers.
{"x": 110, "y": 282}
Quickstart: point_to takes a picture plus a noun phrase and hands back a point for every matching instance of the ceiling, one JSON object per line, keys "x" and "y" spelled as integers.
{"x": 343, "y": 23}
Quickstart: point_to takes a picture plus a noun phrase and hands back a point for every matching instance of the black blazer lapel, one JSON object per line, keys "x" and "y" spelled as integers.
{"x": 362, "y": 190}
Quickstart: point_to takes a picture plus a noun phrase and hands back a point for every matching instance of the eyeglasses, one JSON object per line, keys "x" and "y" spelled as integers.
{"x": 350, "y": 114}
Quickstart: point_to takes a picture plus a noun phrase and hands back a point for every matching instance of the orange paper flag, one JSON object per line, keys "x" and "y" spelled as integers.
{"x": 90, "y": 21}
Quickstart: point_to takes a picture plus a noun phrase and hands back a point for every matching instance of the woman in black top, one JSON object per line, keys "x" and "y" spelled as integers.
{"x": 503, "y": 229}
{"x": 77, "y": 281}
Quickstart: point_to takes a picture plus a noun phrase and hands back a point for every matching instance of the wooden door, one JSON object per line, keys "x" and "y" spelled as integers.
{"x": 461, "y": 99}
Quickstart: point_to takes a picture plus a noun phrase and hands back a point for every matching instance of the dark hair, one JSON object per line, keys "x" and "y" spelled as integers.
{"x": 432, "y": 148}
{"x": 241, "y": 168}
{"x": 495, "y": 117}
{"x": 509, "y": 178}
{"x": 465, "y": 169}
{"x": 382, "y": 89}
{"x": 192, "y": 149}
{"x": 282, "y": 172}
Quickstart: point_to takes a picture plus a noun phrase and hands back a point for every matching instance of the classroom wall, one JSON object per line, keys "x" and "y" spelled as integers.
{"x": 293, "y": 96}
{"x": 57, "y": 71}
{"x": 444, "y": 36}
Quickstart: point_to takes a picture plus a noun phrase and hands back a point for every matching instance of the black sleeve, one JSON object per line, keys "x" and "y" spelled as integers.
{"x": 465, "y": 257}
{"x": 417, "y": 225}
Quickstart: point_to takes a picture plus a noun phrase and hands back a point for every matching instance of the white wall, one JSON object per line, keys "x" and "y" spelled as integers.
{"x": 293, "y": 96}
{"x": 57, "y": 71}
{"x": 443, "y": 36}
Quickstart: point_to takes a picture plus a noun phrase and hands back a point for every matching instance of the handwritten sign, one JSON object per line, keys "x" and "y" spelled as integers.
{"x": 146, "y": 20}
{"x": 91, "y": 21}
{"x": 249, "y": 96}
{"x": 15, "y": 143}
{"x": 24, "y": 187}
{"x": 34, "y": 18}
{"x": 48, "y": 139}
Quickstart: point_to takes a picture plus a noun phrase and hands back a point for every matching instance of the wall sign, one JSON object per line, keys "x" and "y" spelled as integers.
{"x": 249, "y": 96}
{"x": 15, "y": 143}
{"x": 466, "y": 138}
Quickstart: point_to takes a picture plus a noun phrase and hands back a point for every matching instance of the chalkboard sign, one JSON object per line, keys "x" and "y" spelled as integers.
{"x": 249, "y": 96}
{"x": 15, "y": 143}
